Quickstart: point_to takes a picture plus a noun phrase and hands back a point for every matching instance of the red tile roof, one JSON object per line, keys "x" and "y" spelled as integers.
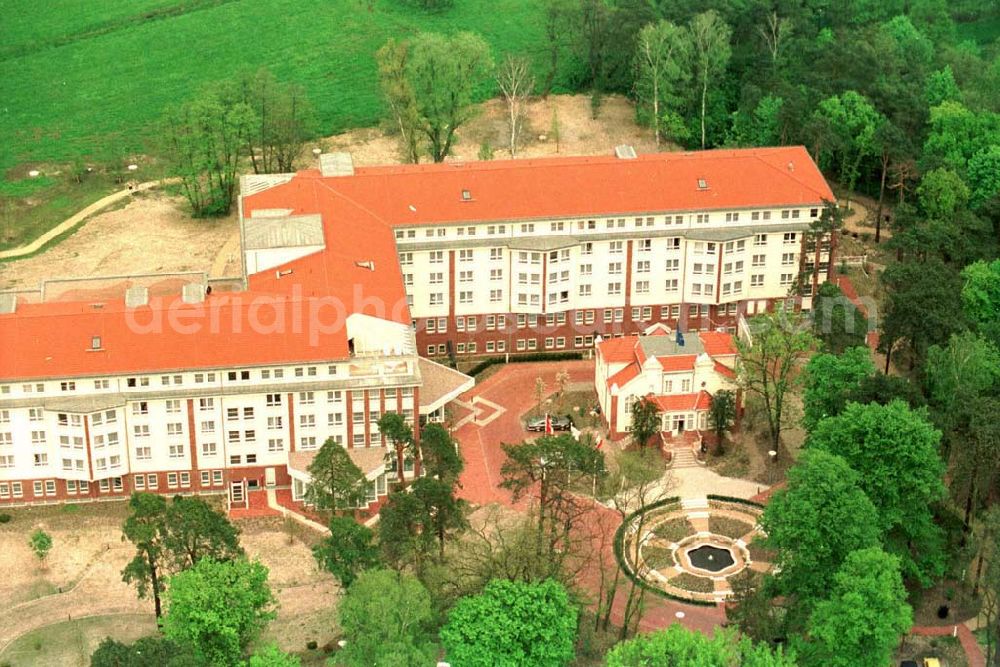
{"x": 717, "y": 343}
{"x": 579, "y": 186}
{"x": 317, "y": 292}
{"x": 681, "y": 402}
{"x": 617, "y": 350}
{"x": 724, "y": 370}
{"x": 624, "y": 376}
{"x": 677, "y": 363}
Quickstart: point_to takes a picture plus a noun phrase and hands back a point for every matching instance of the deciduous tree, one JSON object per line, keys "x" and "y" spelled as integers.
{"x": 203, "y": 141}
{"x": 836, "y": 320}
{"x": 40, "y": 543}
{"x": 397, "y": 431}
{"x": 512, "y": 623}
{"x": 710, "y": 48}
{"x": 861, "y": 623}
{"x": 813, "y": 524}
{"x": 218, "y": 608}
{"x": 283, "y": 118}
{"x": 721, "y": 415}
{"x": 387, "y": 619}
{"x": 661, "y": 67}
{"x": 440, "y": 455}
{"x": 444, "y": 73}
{"x": 397, "y": 90}
{"x": 851, "y": 126}
{"x": 679, "y": 647}
{"x": 769, "y": 365}
{"x": 516, "y": 83}
{"x": 645, "y": 421}
{"x": 831, "y": 380}
{"x": 896, "y": 451}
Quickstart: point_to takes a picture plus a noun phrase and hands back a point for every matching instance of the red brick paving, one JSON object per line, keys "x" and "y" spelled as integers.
{"x": 256, "y": 507}
{"x": 973, "y": 651}
{"x": 513, "y": 387}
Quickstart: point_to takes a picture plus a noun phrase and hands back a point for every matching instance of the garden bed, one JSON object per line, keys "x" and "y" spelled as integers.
{"x": 674, "y": 530}
{"x": 732, "y": 528}
{"x": 695, "y": 584}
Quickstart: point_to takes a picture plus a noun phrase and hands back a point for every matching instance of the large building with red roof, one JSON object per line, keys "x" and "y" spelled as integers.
{"x": 352, "y": 277}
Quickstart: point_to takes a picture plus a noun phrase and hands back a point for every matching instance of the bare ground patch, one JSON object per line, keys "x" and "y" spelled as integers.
{"x": 151, "y": 234}
{"x": 579, "y": 132}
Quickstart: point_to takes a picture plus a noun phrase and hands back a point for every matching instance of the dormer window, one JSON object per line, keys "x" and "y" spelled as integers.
{"x": 702, "y": 184}
{"x": 466, "y": 195}
{"x": 95, "y": 342}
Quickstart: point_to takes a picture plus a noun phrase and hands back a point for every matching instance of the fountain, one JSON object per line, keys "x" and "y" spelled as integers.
{"x": 711, "y": 558}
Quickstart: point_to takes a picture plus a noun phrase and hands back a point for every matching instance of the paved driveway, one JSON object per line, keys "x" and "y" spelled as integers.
{"x": 498, "y": 403}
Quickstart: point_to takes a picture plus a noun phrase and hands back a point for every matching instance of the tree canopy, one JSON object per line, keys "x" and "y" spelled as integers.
{"x": 831, "y": 380}
{"x": 387, "y": 619}
{"x": 896, "y": 451}
{"x": 512, "y": 623}
{"x": 679, "y": 647}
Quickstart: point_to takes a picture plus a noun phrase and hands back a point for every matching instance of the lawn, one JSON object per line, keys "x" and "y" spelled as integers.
{"x": 70, "y": 643}
{"x": 90, "y": 79}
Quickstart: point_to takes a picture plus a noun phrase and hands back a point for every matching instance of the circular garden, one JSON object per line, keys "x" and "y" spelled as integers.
{"x": 688, "y": 549}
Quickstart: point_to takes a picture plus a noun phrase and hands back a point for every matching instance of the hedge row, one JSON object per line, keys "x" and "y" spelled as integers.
{"x": 523, "y": 358}
{"x": 738, "y": 501}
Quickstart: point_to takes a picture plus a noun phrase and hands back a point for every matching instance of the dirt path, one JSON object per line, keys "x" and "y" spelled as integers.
{"x": 78, "y": 217}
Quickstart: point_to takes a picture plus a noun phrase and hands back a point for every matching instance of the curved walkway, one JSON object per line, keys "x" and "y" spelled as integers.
{"x": 81, "y": 215}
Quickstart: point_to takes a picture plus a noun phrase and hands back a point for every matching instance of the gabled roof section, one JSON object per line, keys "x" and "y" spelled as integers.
{"x": 624, "y": 376}
{"x": 681, "y": 402}
{"x": 617, "y": 350}
{"x": 404, "y": 195}
{"x": 717, "y": 343}
{"x": 677, "y": 363}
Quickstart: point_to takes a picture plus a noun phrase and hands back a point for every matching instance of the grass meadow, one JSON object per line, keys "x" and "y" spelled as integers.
{"x": 89, "y": 79}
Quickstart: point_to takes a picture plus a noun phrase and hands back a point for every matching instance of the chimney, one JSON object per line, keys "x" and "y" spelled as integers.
{"x": 625, "y": 152}
{"x": 336, "y": 164}
{"x": 193, "y": 293}
{"x": 136, "y": 296}
{"x": 8, "y": 303}
{"x": 367, "y": 264}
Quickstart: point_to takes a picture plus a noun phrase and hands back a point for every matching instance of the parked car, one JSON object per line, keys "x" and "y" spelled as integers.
{"x": 537, "y": 425}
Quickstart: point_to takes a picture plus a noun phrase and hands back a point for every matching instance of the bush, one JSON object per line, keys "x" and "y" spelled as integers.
{"x": 5, "y": 518}
{"x": 312, "y": 645}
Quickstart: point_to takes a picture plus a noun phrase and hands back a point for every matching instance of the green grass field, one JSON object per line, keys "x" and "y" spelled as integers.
{"x": 89, "y": 79}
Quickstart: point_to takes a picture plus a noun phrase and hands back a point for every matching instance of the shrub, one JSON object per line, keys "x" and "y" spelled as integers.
{"x": 5, "y": 518}
{"x": 312, "y": 645}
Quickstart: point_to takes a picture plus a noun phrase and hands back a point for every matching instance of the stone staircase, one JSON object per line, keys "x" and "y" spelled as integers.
{"x": 683, "y": 458}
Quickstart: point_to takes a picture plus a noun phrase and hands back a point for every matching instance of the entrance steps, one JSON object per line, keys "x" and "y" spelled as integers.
{"x": 683, "y": 457}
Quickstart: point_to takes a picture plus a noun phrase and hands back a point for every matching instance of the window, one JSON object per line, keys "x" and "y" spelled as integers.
{"x": 152, "y": 481}
{"x": 757, "y": 280}
{"x": 642, "y": 267}
{"x": 101, "y": 384}
{"x": 406, "y": 258}
{"x": 143, "y": 453}
{"x": 175, "y": 450}
{"x": 173, "y": 406}
{"x": 275, "y": 445}
{"x": 175, "y": 428}
{"x": 615, "y": 268}
{"x": 758, "y": 260}
{"x": 205, "y": 478}
{"x": 614, "y": 289}
{"x": 38, "y": 437}
{"x": 787, "y": 258}
{"x": 790, "y": 237}
{"x": 586, "y": 248}
{"x": 733, "y": 217}
{"x": 141, "y": 430}
{"x": 273, "y": 400}
{"x": 615, "y": 247}
{"x": 645, "y": 245}
{"x": 35, "y": 415}
{"x": 67, "y": 386}
{"x": 437, "y": 257}
{"x": 760, "y": 239}
{"x": 642, "y": 287}
{"x": 171, "y": 479}
{"x": 209, "y": 449}
{"x": 206, "y": 403}
{"x": 786, "y": 278}
{"x": 465, "y": 256}
{"x": 307, "y": 421}
{"x": 496, "y": 254}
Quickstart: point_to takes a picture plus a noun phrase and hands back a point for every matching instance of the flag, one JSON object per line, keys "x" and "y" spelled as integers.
{"x": 548, "y": 424}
